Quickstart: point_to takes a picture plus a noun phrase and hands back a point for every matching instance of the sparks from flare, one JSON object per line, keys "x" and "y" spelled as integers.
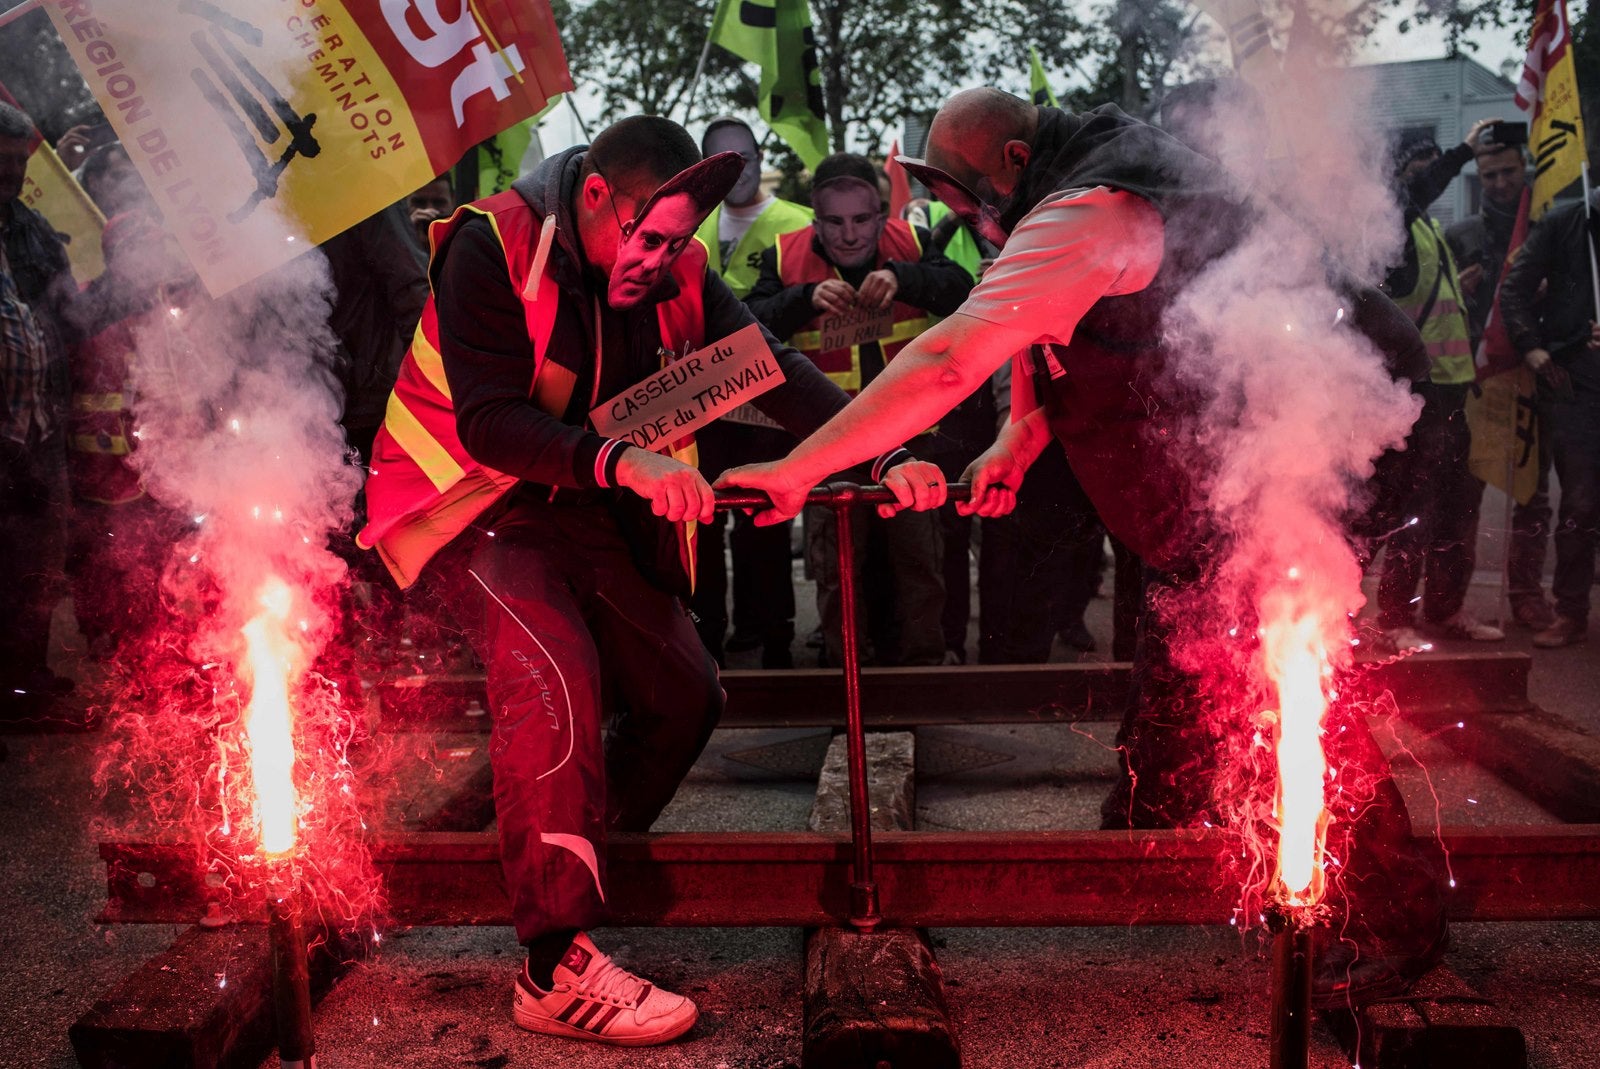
{"x": 1296, "y": 661}
{"x": 270, "y": 662}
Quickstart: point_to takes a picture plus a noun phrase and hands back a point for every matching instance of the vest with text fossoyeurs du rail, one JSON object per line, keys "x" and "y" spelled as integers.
{"x": 799, "y": 262}
{"x": 423, "y": 489}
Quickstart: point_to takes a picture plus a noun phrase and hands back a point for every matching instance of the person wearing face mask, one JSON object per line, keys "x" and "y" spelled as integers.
{"x": 854, "y": 258}
{"x": 745, "y": 225}
{"x": 1103, "y": 221}
{"x": 563, "y": 554}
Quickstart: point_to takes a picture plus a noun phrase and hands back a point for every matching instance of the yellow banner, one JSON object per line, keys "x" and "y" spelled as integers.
{"x": 49, "y": 189}
{"x": 1556, "y": 138}
{"x": 1505, "y": 437}
{"x": 264, "y": 127}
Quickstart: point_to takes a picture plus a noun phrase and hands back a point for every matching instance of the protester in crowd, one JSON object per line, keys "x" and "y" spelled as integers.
{"x": 111, "y": 181}
{"x": 1549, "y": 311}
{"x": 36, "y": 289}
{"x": 745, "y": 225}
{"x": 1480, "y": 243}
{"x": 1040, "y": 565}
{"x": 1436, "y": 550}
{"x": 121, "y": 537}
{"x": 959, "y": 438}
{"x": 436, "y": 200}
{"x": 854, "y": 259}
{"x": 380, "y": 285}
{"x": 563, "y": 553}
{"x": 1103, "y": 221}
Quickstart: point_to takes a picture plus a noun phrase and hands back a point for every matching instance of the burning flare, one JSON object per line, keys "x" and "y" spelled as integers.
{"x": 271, "y": 657}
{"x": 1297, "y": 665}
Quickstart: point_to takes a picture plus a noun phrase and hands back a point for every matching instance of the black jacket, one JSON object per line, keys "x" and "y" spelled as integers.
{"x": 1482, "y": 239}
{"x": 1554, "y": 252}
{"x": 1415, "y": 196}
{"x": 381, "y": 282}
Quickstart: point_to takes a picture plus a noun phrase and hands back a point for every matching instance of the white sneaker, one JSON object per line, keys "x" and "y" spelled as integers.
{"x": 596, "y": 999}
{"x": 1464, "y": 625}
{"x": 1405, "y": 639}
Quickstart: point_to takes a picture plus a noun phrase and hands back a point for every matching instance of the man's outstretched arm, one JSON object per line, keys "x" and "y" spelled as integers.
{"x": 927, "y": 379}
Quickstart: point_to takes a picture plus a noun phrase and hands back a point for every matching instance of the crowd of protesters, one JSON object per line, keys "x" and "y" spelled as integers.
{"x": 76, "y": 514}
{"x": 612, "y": 258}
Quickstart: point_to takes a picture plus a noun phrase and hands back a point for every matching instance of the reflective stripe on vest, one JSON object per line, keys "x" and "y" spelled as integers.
{"x": 743, "y": 268}
{"x": 800, "y": 263}
{"x": 1445, "y": 333}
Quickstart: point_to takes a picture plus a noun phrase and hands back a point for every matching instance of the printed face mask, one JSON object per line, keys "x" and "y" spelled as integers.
{"x": 981, "y": 216}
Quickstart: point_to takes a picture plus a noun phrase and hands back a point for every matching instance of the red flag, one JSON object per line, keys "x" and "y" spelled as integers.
{"x": 1551, "y": 36}
{"x": 1495, "y": 352}
{"x": 899, "y": 183}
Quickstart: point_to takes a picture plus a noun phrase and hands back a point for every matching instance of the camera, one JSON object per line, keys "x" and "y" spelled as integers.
{"x": 1509, "y": 134}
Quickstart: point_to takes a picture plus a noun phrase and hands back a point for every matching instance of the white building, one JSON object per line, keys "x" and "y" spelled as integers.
{"x": 1444, "y": 97}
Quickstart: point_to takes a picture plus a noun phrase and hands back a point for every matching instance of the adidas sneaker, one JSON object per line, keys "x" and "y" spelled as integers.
{"x": 596, "y": 999}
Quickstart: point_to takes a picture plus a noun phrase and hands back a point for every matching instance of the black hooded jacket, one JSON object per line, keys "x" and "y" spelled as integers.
{"x": 488, "y": 356}
{"x": 1114, "y": 407}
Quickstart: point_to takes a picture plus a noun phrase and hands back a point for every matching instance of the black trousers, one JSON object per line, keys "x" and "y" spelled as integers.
{"x": 575, "y": 639}
{"x": 1437, "y": 550}
{"x": 33, "y": 543}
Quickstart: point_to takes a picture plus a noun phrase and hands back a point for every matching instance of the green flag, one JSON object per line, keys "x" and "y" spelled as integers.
{"x": 1036, "y": 79}
{"x": 776, "y": 34}
{"x": 500, "y": 157}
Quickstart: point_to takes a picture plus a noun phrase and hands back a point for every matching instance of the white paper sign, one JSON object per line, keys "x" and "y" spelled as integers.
{"x": 691, "y": 392}
{"x": 856, "y": 327}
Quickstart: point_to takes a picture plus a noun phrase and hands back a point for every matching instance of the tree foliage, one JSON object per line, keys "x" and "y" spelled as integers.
{"x": 641, "y": 56}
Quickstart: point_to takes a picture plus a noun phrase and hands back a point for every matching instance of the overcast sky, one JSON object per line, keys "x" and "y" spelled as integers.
{"x": 1387, "y": 45}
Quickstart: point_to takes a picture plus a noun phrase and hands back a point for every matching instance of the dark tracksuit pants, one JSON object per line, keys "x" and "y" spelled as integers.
{"x": 574, "y": 637}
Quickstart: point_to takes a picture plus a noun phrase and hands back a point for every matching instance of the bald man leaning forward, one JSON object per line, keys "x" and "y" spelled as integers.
{"x": 1103, "y": 220}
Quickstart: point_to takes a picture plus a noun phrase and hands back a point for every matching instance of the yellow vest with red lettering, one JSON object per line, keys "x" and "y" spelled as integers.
{"x": 423, "y": 489}
{"x": 799, "y": 262}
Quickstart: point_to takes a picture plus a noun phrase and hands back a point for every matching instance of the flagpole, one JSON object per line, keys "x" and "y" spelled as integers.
{"x": 699, "y": 69}
{"x": 582, "y": 126}
{"x": 24, "y": 8}
{"x": 1588, "y": 230}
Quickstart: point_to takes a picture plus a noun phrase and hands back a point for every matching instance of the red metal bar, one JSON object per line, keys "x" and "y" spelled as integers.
{"x": 1457, "y": 685}
{"x": 830, "y": 496}
{"x": 927, "y": 879}
{"x": 864, "y": 915}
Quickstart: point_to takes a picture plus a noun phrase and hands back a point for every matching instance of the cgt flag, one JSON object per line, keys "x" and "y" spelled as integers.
{"x": 777, "y": 35}
{"x": 49, "y": 189}
{"x": 1037, "y": 82}
{"x": 1548, "y": 92}
{"x": 262, "y": 127}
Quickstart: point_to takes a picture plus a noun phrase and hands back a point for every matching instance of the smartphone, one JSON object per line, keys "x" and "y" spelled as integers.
{"x": 1507, "y": 133}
